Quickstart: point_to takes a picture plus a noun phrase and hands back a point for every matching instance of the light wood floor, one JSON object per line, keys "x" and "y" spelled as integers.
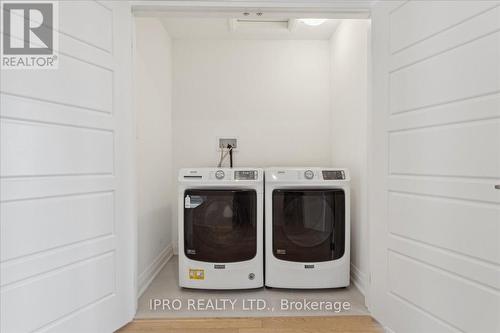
{"x": 334, "y": 324}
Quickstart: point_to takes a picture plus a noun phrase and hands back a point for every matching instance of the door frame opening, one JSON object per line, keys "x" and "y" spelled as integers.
{"x": 291, "y": 9}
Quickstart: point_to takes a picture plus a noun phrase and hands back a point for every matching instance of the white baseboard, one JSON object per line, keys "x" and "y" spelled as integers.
{"x": 358, "y": 279}
{"x": 146, "y": 277}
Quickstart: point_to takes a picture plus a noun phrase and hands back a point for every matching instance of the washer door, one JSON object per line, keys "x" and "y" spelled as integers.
{"x": 308, "y": 225}
{"x": 220, "y": 226}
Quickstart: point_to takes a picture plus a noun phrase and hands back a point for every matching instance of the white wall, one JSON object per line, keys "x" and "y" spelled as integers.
{"x": 153, "y": 105}
{"x": 274, "y": 95}
{"x": 349, "y": 68}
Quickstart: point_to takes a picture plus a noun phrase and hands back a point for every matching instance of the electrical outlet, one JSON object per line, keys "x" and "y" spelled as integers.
{"x": 224, "y": 142}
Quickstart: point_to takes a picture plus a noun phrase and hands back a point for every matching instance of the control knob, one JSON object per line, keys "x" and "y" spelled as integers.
{"x": 309, "y": 174}
{"x": 219, "y": 174}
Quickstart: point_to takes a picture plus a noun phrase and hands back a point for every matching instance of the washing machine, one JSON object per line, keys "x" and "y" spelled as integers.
{"x": 221, "y": 228}
{"x": 307, "y": 228}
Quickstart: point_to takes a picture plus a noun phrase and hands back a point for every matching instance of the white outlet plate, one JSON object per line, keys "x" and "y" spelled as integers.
{"x": 222, "y": 142}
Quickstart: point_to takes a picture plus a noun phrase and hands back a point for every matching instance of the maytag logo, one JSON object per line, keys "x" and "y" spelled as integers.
{"x": 29, "y": 35}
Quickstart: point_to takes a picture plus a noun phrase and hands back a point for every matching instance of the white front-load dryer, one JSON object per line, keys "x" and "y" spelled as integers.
{"x": 307, "y": 228}
{"x": 221, "y": 228}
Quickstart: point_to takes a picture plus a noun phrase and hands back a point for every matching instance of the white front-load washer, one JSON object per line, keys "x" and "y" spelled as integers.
{"x": 221, "y": 228}
{"x": 307, "y": 228}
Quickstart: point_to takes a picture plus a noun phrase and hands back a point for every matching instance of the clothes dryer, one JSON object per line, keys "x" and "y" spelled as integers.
{"x": 307, "y": 227}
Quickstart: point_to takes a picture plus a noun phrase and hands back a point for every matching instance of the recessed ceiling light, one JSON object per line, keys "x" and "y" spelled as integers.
{"x": 313, "y": 21}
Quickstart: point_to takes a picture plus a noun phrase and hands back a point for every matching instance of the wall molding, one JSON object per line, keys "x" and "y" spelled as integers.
{"x": 148, "y": 275}
{"x": 359, "y": 279}
{"x": 388, "y": 330}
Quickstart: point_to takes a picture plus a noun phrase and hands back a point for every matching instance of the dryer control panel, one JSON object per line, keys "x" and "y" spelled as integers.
{"x": 307, "y": 175}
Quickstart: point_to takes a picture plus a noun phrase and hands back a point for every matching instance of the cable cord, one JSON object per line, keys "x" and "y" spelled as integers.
{"x": 221, "y": 157}
{"x": 224, "y": 155}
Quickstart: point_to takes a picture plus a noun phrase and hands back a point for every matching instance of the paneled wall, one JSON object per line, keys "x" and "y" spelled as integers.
{"x": 66, "y": 201}
{"x": 443, "y": 136}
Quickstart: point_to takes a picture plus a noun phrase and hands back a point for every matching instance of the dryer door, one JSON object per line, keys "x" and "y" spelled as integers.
{"x": 220, "y": 226}
{"x": 308, "y": 225}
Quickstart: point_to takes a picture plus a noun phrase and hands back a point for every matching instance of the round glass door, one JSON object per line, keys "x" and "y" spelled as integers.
{"x": 220, "y": 225}
{"x": 308, "y": 220}
{"x": 308, "y": 225}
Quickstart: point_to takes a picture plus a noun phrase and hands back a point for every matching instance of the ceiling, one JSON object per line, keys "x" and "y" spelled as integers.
{"x": 242, "y": 28}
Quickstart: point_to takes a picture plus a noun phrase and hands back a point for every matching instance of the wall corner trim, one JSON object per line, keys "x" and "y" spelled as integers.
{"x": 148, "y": 275}
{"x": 359, "y": 279}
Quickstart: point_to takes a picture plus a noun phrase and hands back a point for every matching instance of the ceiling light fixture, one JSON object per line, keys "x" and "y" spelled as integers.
{"x": 312, "y": 21}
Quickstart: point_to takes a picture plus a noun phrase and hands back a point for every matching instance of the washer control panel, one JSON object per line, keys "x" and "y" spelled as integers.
{"x": 308, "y": 174}
{"x": 245, "y": 175}
{"x": 221, "y": 176}
{"x": 333, "y": 174}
